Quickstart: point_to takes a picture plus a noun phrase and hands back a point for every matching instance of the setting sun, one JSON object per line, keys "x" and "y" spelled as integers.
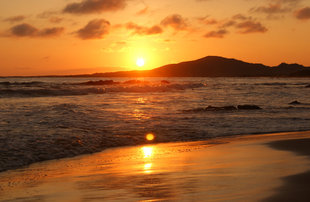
{"x": 150, "y": 137}
{"x": 140, "y": 62}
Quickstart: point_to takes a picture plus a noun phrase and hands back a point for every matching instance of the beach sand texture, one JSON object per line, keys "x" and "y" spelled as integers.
{"x": 270, "y": 167}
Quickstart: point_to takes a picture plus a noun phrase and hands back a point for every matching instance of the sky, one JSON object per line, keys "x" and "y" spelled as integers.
{"x": 57, "y": 37}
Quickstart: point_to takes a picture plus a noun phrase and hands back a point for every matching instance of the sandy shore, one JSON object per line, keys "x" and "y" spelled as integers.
{"x": 270, "y": 167}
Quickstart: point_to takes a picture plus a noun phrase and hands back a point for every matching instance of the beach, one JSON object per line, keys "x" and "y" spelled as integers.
{"x": 269, "y": 167}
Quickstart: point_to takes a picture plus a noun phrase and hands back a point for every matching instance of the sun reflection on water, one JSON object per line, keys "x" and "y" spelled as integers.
{"x": 147, "y": 152}
{"x": 147, "y": 168}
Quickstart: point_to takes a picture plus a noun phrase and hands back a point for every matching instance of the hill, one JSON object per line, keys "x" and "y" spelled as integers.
{"x": 214, "y": 66}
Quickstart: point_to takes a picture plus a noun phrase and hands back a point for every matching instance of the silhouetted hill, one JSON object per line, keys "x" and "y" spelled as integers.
{"x": 214, "y": 66}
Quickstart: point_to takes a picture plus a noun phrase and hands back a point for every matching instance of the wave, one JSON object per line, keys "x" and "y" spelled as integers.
{"x": 129, "y": 82}
{"x": 41, "y": 89}
{"x": 224, "y": 108}
{"x": 231, "y": 108}
{"x": 26, "y": 84}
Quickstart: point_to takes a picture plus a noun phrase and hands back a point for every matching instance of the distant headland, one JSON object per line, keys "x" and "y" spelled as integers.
{"x": 212, "y": 66}
{"x": 215, "y": 66}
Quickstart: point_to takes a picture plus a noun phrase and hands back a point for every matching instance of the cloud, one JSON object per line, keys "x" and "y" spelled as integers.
{"x": 303, "y": 13}
{"x": 51, "y": 32}
{"x": 276, "y": 7}
{"x": 14, "y": 19}
{"x": 141, "y": 30}
{"x": 249, "y": 26}
{"x": 228, "y": 23}
{"x": 242, "y": 23}
{"x": 27, "y": 30}
{"x": 95, "y": 29}
{"x": 207, "y": 21}
{"x": 175, "y": 21}
{"x": 216, "y": 34}
{"x": 271, "y": 9}
{"x": 94, "y": 6}
{"x": 241, "y": 17}
{"x": 23, "y": 30}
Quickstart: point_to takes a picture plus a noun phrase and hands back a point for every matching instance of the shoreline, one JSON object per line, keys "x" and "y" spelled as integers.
{"x": 231, "y": 137}
{"x": 232, "y": 168}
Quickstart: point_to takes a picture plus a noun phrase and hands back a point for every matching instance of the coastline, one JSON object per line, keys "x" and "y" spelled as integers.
{"x": 252, "y": 168}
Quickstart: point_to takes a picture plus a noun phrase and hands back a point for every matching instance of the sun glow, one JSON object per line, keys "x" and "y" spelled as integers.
{"x": 140, "y": 62}
{"x": 150, "y": 137}
{"x": 147, "y": 152}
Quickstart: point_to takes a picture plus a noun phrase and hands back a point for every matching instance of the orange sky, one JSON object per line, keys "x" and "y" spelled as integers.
{"x": 86, "y": 36}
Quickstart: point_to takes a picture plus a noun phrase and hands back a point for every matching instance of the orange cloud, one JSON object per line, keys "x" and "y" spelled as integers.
{"x": 241, "y": 17}
{"x": 24, "y": 29}
{"x": 27, "y": 30}
{"x": 271, "y": 9}
{"x": 216, "y": 34}
{"x": 207, "y": 21}
{"x": 175, "y": 21}
{"x": 51, "y": 32}
{"x": 141, "y": 30}
{"x": 15, "y": 19}
{"x": 249, "y": 26}
{"x": 303, "y": 13}
{"x": 95, "y": 29}
{"x": 94, "y": 6}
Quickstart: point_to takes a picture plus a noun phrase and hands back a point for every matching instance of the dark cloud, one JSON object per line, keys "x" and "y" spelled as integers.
{"x": 271, "y": 9}
{"x": 241, "y": 17}
{"x": 276, "y": 7}
{"x": 249, "y": 26}
{"x": 303, "y": 13}
{"x": 23, "y": 30}
{"x": 207, "y": 21}
{"x": 95, "y": 29}
{"x": 175, "y": 21}
{"x": 51, "y": 32}
{"x": 15, "y": 19}
{"x": 242, "y": 23}
{"x": 142, "y": 30}
{"x": 94, "y": 6}
{"x": 228, "y": 23}
{"x": 216, "y": 34}
{"x": 27, "y": 30}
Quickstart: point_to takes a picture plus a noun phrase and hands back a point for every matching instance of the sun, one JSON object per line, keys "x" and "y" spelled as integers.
{"x": 150, "y": 137}
{"x": 140, "y": 62}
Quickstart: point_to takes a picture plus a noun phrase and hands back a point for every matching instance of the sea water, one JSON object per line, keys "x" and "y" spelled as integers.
{"x": 55, "y": 117}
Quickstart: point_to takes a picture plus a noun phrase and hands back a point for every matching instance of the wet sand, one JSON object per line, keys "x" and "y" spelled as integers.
{"x": 270, "y": 167}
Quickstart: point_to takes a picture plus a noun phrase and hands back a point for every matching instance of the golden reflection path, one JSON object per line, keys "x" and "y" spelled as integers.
{"x": 147, "y": 155}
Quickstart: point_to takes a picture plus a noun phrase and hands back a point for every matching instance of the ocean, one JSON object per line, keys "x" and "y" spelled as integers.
{"x": 57, "y": 117}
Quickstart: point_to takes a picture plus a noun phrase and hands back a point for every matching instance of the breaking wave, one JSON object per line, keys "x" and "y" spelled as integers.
{"x": 44, "y": 89}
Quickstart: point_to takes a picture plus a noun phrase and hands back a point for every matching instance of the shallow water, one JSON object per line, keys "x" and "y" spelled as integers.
{"x": 220, "y": 170}
{"x": 49, "y": 118}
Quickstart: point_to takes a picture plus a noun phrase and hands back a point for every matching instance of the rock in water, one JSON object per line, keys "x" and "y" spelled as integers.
{"x": 248, "y": 107}
{"x": 295, "y": 103}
